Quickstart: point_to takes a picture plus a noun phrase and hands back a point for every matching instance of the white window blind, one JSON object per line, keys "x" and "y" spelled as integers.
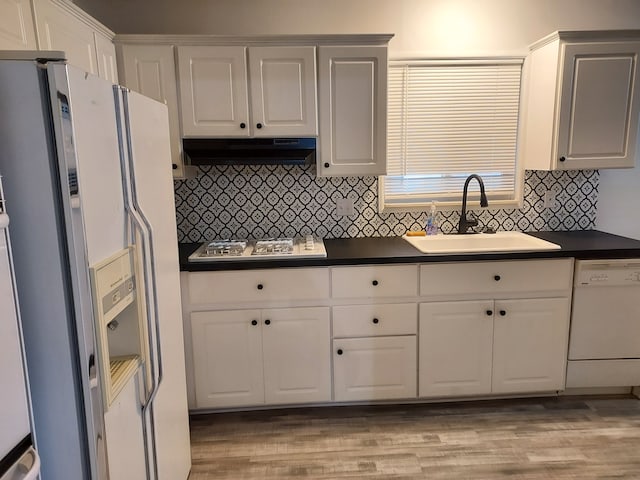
{"x": 447, "y": 120}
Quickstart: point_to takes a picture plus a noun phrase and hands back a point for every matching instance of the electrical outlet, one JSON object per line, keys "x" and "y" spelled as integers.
{"x": 344, "y": 207}
{"x": 549, "y": 199}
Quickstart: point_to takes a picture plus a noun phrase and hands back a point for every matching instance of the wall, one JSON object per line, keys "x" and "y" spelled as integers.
{"x": 618, "y": 211}
{"x": 276, "y": 201}
{"x": 447, "y": 27}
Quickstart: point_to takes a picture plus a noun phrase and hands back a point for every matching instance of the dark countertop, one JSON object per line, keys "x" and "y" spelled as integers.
{"x": 583, "y": 244}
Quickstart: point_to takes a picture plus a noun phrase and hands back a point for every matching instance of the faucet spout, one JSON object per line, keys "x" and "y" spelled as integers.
{"x": 465, "y": 223}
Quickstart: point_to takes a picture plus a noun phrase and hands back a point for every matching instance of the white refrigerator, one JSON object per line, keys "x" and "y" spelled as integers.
{"x": 18, "y": 459}
{"x": 88, "y": 176}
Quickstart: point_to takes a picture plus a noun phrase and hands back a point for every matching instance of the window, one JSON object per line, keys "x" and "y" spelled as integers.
{"x": 446, "y": 120}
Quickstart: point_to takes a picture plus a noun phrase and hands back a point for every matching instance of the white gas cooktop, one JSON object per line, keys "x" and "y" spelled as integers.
{"x": 264, "y": 249}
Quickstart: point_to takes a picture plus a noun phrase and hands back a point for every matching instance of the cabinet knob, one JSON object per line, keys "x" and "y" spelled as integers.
{"x": 489, "y": 312}
{"x": 376, "y": 321}
{"x": 339, "y": 352}
{"x": 374, "y": 283}
{"x": 174, "y": 166}
{"x": 503, "y": 313}
{"x": 267, "y": 322}
{"x": 260, "y": 286}
{"x": 496, "y": 278}
{"x": 258, "y": 125}
{"x": 326, "y": 165}
{"x": 254, "y": 322}
{"x": 562, "y": 159}
{"x": 243, "y": 125}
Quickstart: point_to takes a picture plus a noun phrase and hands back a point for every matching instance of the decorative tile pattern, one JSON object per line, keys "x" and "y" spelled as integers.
{"x": 272, "y": 201}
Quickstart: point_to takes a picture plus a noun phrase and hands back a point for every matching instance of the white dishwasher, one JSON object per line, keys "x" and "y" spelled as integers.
{"x": 604, "y": 345}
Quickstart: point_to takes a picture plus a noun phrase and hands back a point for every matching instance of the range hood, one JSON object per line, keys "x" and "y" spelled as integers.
{"x": 249, "y": 151}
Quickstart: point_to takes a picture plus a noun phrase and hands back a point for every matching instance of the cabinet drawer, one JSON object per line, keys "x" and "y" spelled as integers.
{"x": 495, "y": 278}
{"x": 258, "y": 285}
{"x": 375, "y": 281}
{"x": 375, "y": 320}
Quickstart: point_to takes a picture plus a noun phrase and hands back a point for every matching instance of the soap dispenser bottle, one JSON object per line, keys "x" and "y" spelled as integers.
{"x": 432, "y": 222}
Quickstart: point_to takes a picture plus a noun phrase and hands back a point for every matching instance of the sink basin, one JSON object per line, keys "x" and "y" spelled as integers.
{"x": 480, "y": 243}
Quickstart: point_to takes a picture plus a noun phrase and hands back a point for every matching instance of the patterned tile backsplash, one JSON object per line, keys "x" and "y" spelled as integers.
{"x": 273, "y": 201}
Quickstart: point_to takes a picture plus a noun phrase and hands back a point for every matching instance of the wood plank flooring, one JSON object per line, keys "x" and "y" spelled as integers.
{"x": 553, "y": 438}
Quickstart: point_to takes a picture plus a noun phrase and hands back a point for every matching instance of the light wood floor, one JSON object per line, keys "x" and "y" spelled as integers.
{"x": 560, "y": 438}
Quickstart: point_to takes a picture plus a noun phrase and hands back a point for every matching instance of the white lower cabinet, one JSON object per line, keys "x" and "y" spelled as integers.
{"x": 493, "y": 346}
{"x": 435, "y": 330}
{"x": 456, "y": 342}
{"x": 374, "y": 368}
{"x": 251, "y": 357}
{"x": 530, "y": 341}
{"x": 374, "y": 347}
{"x": 295, "y": 349}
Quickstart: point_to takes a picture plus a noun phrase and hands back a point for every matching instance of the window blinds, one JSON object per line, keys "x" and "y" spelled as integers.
{"x": 447, "y": 120}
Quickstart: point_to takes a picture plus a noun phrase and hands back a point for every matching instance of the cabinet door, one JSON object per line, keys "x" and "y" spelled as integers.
{"x": 283, "y": 91}
{"x": 227, "y": 358}
{"x": 374, "y": 368}
{"x": 17, "y": 30}
{"x": 296, "y": 349}
{"x": 530, "y": 345}
{"x": 213, "y": 91}
{"x": 455, "y": 348}
{"x": 353, "y": 110}
{"x": 151, "y": 70}
{"x": 59, "y": 30}
{"x": 106, "y": 54}
{"x": 599, "y": 105}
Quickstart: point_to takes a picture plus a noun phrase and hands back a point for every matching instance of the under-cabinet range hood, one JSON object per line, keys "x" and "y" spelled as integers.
{"x": 250, "y": 151}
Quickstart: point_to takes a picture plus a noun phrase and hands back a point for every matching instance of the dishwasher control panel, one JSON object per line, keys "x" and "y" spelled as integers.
{"x": 607, "y": 272}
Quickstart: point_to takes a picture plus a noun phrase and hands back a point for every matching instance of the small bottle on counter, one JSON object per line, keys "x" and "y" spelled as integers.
{"x": 432, "y": 221}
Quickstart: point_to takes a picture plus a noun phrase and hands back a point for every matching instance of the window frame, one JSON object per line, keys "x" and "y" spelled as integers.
{"x": 473, "y": 194}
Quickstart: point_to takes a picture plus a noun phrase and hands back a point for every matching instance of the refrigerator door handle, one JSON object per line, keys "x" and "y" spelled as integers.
{"x": 153, "y": 333}
{"x": 148, "y": 425}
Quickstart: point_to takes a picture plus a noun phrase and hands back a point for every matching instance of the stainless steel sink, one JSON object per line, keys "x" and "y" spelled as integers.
{"x": 480, "y": 243}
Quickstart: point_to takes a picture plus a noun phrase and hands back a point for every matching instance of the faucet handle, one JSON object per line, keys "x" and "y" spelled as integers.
{"x": 472, "y": 220}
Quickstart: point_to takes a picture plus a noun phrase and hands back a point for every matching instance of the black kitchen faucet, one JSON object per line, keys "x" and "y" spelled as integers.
{"x": 465, "y": 223}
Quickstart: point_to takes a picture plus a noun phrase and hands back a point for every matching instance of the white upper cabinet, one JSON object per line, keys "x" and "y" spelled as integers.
{"x": 213, "y": 91}
{"x": 283, "y": 91}
{"x": 61, "y": 25}
{"x": 58, "y": 30}
{"x": 151, "y": 70}
{"x": 582, "y": 102}
{"x": 216, "y": 88}
{"x": 17, "y": 30}
{"x": 353, "y": 110}
{"x": 106, "y": 55}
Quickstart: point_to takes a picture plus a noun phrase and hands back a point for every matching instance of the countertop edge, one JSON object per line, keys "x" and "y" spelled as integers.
{"x": 579, "y": 244}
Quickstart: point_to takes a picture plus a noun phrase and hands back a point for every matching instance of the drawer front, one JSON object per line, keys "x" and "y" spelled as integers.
{"x": 374, "y": 281}
{"x": 258, "y": 285}
{"x": 495, "y": 278}
{"x": 375, "y": 320}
